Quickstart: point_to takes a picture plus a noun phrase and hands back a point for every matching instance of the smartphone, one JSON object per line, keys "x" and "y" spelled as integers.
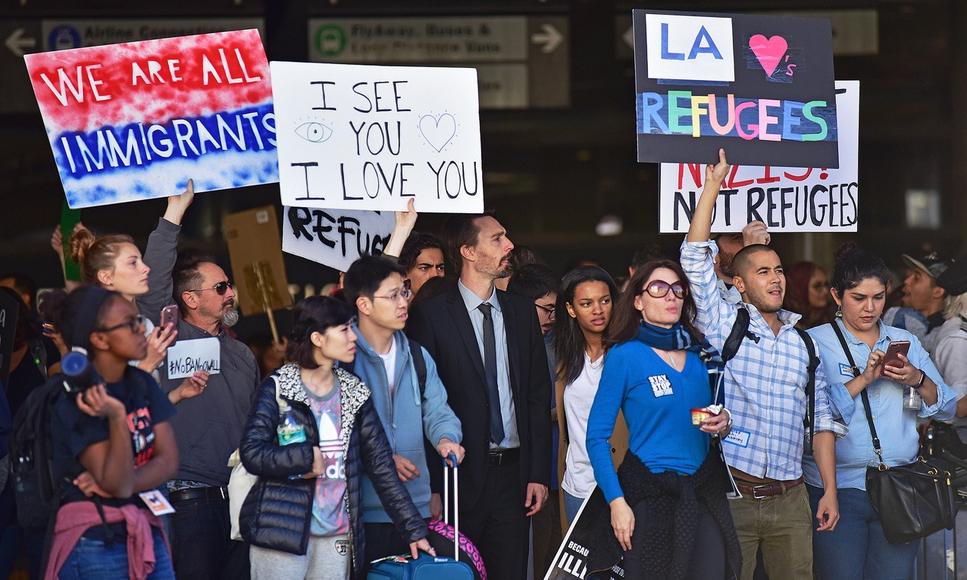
{"x": 896, "y": 348}
{"x": 169, "y": 315}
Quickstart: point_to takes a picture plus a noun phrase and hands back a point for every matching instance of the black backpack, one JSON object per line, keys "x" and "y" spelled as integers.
{"x": 31, "y": 455}
{"x": 740, "y": 330}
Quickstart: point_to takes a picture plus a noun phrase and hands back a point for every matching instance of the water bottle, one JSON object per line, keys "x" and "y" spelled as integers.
{"x": 911, "y": 399}
{"x": 290, "y": 430}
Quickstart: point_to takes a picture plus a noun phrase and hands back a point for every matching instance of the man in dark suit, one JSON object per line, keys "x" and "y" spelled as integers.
{"x": 490, "y": 354}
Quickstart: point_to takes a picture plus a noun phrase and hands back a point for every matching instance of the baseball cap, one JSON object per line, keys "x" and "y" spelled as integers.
{"x": 954, "y": 279}
{"x": 930, "y": 263}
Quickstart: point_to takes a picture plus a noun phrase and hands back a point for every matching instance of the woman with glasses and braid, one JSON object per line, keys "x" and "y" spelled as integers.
{"x": 669, "y": 514}
{"x": 111, "y": 441}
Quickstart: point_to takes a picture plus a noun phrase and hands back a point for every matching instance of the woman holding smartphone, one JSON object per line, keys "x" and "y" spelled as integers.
{"x": 669, "y": 512}
{"x": 111, "y": 442}
{"x": 857, "y": 547}
{"x": 312, "y": 433}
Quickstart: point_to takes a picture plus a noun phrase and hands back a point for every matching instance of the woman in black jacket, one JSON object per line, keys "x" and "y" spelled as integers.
{"x": 312, "y": 432}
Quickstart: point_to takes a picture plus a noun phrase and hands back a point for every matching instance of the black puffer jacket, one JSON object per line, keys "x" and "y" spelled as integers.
{"x": 276, "y": 513}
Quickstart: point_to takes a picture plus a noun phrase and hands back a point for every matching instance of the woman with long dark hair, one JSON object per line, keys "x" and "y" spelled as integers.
{"x": 669, "y": 512}
{"x": 807, "y": 293}
{"x": 857, "y": 548}
{"x": 582, "y": 315}
{"x": 312, "y": 433}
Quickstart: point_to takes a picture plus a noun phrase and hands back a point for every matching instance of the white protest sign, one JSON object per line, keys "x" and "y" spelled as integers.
{"x": 335, "y": 238}
{"x": 786, "y": 199}
{"x": 198, "y": 354}
{"x": 373, "y": 137}
{"x": 693, "y": 48}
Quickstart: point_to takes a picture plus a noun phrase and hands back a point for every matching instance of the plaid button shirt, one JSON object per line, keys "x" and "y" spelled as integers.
{"x": 765, "y": 384}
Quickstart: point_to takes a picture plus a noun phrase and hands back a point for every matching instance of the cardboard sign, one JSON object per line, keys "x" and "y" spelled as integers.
{"x": 761, "y": 87}
{"x": 9, "y": 312}
{"x": 185, "y": 357}
{"x": 335, "y": 238}
{"x": 786, "y": 199}
{"x": 134, "y": 121}
{"x": 255, "y": 250}
{"x": 373, "y": 137}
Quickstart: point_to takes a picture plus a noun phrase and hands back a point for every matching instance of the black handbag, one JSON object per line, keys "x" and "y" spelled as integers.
{"x": 912, "y": 500}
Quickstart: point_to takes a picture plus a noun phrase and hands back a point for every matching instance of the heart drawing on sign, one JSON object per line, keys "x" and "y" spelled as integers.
{"x": 438, "y": 130}
{"x": 768, "y": 51}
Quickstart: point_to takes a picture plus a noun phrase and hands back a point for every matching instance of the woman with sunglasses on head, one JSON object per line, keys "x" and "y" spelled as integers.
{"x": 858, "y": 548}
{"x": 581, "y": 318}
{"x": 111, "y": 441}
{"x": 312, "y": 433}
{"x": 114, "y": 263}
{"x": 669, "y": 512}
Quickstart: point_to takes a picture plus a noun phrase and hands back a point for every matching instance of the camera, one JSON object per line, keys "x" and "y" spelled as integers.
{"x": 79, "y": 373}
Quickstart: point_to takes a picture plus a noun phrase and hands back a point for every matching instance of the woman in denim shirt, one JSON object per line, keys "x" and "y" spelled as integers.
{"x": 857, "y": 548}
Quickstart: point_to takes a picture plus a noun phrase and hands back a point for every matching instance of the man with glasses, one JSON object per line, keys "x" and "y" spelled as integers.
{"x": 489, "y": 351}
{"x": 208, "y": 427}
{"x": 408, "y": 394}
{"x": 765, "y": 386}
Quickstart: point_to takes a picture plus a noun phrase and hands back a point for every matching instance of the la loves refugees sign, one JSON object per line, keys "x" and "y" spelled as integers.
{"x": 134, "y": 121}
{"x": 786, "y": 199}
{"x": 761, "y": 87}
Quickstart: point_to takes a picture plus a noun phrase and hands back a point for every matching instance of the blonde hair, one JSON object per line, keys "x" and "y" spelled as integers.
{"x": 96, "y": 254}
{"x": 956, "y": 306}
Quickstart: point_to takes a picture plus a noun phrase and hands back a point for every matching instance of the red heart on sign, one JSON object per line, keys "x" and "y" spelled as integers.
{"x": 768, "y": 51}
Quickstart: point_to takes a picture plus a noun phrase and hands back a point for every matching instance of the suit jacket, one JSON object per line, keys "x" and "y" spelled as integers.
{"x": 442, "y": 325}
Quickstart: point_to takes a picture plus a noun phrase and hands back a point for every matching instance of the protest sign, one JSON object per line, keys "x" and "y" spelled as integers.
{"x": 373, "y": 137}
{"x": 335, "y": 238}
{"x": 134, "y": 121}
{"x": 759, "y": 86}
{"x": 571, "y": 560}
{"x": 786, "y": 199}
{"x": 255, "y": 250}
{"x": 9, "y": 312}
{"x": 185, "y": 357}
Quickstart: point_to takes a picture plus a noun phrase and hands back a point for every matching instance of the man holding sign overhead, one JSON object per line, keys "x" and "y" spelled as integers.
{"x": 209, "y": 426}
{"x": 767, "y": 389}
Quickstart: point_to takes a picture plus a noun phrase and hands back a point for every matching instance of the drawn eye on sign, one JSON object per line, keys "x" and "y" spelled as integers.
{"x": 438, "y": 130}
{"x": 314, "y": 131}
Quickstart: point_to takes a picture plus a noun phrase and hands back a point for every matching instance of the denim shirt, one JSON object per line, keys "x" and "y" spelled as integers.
{"x": 895, "y": 426}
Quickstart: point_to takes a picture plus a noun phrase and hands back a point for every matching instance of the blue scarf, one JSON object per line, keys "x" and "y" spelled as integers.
{"x": 678, "y": 338}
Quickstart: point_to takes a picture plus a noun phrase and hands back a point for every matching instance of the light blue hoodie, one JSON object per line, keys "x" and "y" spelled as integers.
{"x": 406, "y": 418}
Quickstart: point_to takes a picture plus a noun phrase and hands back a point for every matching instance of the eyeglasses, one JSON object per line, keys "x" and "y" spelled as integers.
{"x": 221, "y": 288}
{"x": 395, "y": 295}
{"x": 548, "y": 310}
{"x": 135, "y": 323}
{"x": 660, "y": 288}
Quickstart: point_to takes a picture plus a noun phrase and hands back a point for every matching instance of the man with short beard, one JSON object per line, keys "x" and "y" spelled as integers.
{"x": 765, "y": 387}
{"x": 208, "y": 427}
{"x": 489, "y": 351}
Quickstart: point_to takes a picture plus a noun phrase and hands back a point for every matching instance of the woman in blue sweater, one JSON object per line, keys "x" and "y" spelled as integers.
{"x": 669, "y": 511}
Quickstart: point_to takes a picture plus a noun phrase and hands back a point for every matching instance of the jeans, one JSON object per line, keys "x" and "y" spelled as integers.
{"x": 200, "y": 544}
{"x": 857, "y": 548}
{"x": 95, "y": 559}
{"x": 572, "y": 505}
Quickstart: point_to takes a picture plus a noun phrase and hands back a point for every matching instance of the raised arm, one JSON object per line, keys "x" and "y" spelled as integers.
{"x": 405, "y": 222}
{"x": 700, "y": 230}
{"x": 161, "y": 253}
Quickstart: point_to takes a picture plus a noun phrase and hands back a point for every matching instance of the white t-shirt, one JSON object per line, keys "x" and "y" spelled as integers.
{"x": 389, "y": 363}
{"x": 578, "y": 397}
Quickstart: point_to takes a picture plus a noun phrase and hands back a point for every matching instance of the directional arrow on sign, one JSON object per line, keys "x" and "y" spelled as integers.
{"x": 16, "y": 42}
{"x": 549, "y": 37}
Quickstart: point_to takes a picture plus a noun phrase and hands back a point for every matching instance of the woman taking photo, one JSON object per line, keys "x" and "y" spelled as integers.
{"x": 111, "y": 442}
{"x": 582, "y": 315}
{"x": 312, "y": 432}
{"x": 669, "y": 512}
{"x": 857, "y": 548}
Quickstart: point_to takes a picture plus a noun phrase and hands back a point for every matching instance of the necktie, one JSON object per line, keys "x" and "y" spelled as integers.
{"x": 490, "y": 371}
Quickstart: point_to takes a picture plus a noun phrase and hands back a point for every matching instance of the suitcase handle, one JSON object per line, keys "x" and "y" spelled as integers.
{"x": 451, "y": 461}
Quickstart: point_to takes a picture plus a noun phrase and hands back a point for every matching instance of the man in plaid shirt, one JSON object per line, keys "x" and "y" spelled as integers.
{"x": 765, "y": 392}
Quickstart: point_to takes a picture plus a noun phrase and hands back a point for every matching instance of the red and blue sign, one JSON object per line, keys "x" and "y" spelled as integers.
{"x": 136, "y": 120}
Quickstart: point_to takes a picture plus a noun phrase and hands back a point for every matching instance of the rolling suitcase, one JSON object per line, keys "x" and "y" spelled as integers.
{"x": 428, "y": 567}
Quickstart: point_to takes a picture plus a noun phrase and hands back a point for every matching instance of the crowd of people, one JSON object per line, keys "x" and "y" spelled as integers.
{"x": 465, "y": 350}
